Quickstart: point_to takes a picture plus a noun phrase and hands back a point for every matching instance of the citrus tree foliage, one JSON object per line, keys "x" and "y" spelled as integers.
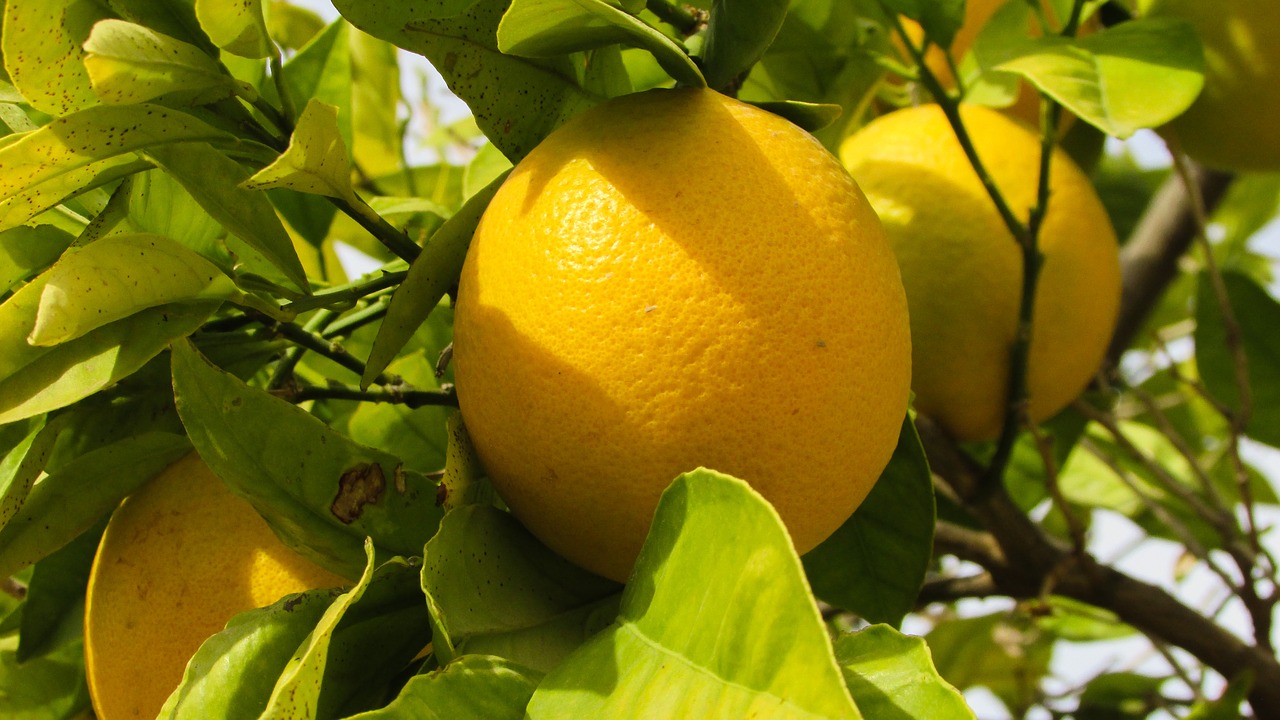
{"x": 175, "y": 176}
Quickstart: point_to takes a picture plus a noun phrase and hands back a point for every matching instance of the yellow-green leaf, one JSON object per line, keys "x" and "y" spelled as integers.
{"x": 316, "y": 160}
{"x": 236, "y": 26}
{"x": 129, "y": 63}
{"x": 43, "y": 55}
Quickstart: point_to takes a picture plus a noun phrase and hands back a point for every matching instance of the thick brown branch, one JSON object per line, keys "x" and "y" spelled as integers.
{"x": 1025, "y": 562}
{"x": 1149, "y": 260}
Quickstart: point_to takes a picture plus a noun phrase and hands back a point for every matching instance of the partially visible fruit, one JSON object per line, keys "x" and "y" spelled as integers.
{"x": 1235, "y": 123}
{"x": 677, "y": 279}
{"x": 179, "y": 558}
{"x": 963, "y": 270}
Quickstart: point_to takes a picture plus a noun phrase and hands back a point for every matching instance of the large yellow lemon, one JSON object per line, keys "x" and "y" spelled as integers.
{"x": 676, "y": 279}
{"x": 963, "y": 270}
{"x": 179, "y": 558}
{"x": 1235, "y": 123}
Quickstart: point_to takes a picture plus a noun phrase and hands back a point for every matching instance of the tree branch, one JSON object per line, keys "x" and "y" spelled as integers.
{"x": 1028, "y": 560}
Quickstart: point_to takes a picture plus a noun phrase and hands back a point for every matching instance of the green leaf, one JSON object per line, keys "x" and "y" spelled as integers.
{"x": 1120, "y": 696}
{"x": 1258, "y": 316}
{"x": 322, "y": 498}
{"x": 45, "y": 166}
{"x": 892, "y": 677}
{"x": 690, "y": 619}
{"x": 1227, "y": 706}
{"x": 464, "y": 49}
{"x": 473, "y": 687}
{"x": 378, "y": 625}
{"x": 42, "y": 52}
{"x": 322, "y": 70}
{"x": 51, "y": 687}
{"x": 875, "y": 563}
{"x": 70, "y": 500}
{"x": 215, "y": 180}
{"x": 1139, "y": 74}
{"x": 233, "y": 673}
{"x": 808, "y": 116}
{"x": 493, "y": 589}
{"x": 1002, "y": 652}
{"x": 175, "y": 18}
{"x": 129, "y": 63}
{"x": 24, "y": 251}
{"x": 464, "y": 481}
{"x": 315, "y": 161}
{"x": 117, "y": 276}
{"x": 55, "y": 593}
{"x": 377, "y": 137}
{"x": 291, "y": 26}
{"x": 431, "y": 274}
{"x": 738, "y": 34}
{"x": 24, "y": 462}
{"x": 236, "y": 26}
{"x": 548, "y": 28}
{"x": 35, "y": 379}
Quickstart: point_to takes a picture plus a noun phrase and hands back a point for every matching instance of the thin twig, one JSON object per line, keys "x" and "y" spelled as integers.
{"x": 386, "y": 394}
{"x": 687, "y": 20}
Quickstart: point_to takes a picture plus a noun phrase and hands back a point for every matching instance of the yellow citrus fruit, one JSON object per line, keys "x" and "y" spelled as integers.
{"x": 1233, "y": 124}
{"x": 179, "y": 558}
{"x": 676, "y": 279}
{"x": 963, "y": 270}
{"x": 976, "y": 14}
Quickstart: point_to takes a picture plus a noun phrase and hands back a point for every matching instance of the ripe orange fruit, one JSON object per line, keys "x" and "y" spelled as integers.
{"x": 963, "y": 270}
{"x": 676, "y": 279}
{"x": 1232, "y": 125}
{"x": 179, "y": 558}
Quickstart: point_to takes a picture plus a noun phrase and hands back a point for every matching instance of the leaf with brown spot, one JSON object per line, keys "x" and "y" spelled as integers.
{"x": 361, "y": 485}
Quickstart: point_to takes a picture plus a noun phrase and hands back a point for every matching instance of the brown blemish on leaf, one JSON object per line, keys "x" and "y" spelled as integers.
{"x": 359, "y": 486}
{"x": 399, "y": 475}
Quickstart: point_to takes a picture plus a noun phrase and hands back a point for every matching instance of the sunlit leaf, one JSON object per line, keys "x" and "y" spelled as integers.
{"x": 377, "y": 137}
{"x": 129, "y": 63}
{"x": 236, "y": 26}
{"x": 690, "y": 618}
{"x": 316, "y": 159}
{"x": 892, "y": 677}
{"x": 118, "y": 276}
{"x": 1138, "y": 74}
{"x": 43, "y": 55}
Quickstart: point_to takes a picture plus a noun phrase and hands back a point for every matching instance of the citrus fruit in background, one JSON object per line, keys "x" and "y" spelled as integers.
{"x": 179, "y": 558}
{"x": 1233, "y": 125}
{"x": 976, "y": 14}
{"x": 963, "y": 270}
{"x": 676, "y": 279}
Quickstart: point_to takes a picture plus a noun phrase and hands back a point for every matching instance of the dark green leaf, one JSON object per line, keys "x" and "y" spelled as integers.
{"x": 1258, "y": 316}
{"x": 1120, "y": 696}
{"x": 689, "y": 617}
{"x": 548, "y": 28}
{"x": 25, "y": 251}
{"x": 24, "y": 461}
{"x": 738, "y": 33}
{"x": 493, "y": 589}
{"x": 55, "y": 593}
{"x": 51, "y": 687}
{"x": 941, "y": 19}
{"x": 322, "y": 71}
{"x": 875, "y": 563}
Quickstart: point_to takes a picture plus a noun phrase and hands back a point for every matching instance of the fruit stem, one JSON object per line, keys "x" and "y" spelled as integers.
{"x": 687, "y": 20}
